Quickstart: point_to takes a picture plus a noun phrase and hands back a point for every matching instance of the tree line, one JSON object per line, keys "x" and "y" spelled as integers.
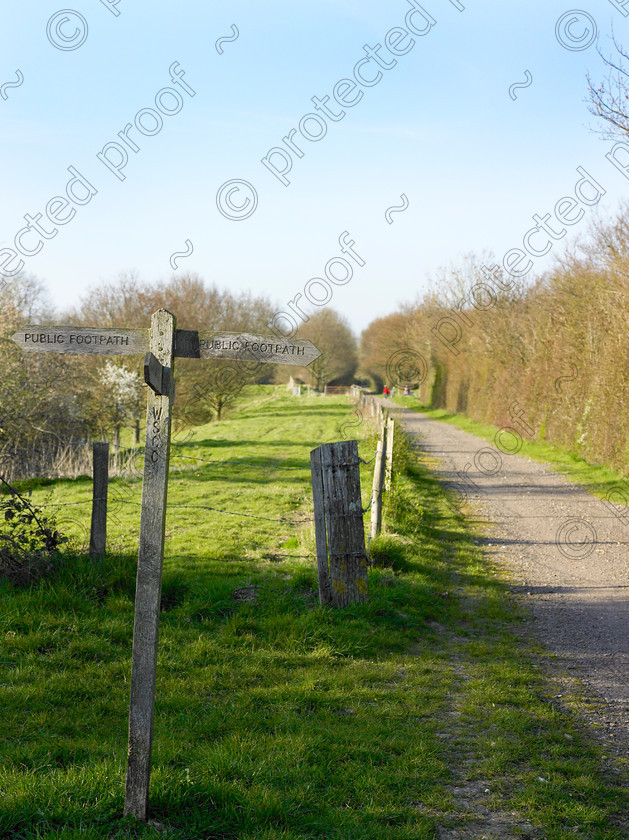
{"x": 557, "y": 347}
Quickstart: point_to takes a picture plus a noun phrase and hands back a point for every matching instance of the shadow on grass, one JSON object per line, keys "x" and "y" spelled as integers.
{"x": 224, "y": 443}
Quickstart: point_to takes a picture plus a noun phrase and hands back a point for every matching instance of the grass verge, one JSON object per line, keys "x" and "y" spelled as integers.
{"x": 598, "y": 479}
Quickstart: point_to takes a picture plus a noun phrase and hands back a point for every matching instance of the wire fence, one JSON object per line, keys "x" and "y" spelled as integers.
{"x": 127, "y": 459}
{"x": 267, "y": 465}
{"x": 271, "y": 555}
{"x": 184, "y": 507}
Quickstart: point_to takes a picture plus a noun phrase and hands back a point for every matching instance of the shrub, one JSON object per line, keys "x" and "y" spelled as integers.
{"x": 29, "y": 541}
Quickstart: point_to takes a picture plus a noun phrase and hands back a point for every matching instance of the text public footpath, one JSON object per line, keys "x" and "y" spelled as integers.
{"x": 255, "y": 347}
{"x": 48, "y": 338}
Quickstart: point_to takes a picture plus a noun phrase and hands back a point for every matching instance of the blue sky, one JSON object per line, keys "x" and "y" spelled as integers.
{"x": 440, "y": 128}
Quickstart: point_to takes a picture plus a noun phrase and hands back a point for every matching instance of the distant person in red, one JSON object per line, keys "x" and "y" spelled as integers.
{"x": 386, "y": 391}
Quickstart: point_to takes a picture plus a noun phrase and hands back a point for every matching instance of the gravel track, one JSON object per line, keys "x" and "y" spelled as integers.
{"x": 564, "y": 549}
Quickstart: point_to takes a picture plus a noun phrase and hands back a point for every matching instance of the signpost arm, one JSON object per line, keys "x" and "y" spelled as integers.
{"x": 149, "y": 575}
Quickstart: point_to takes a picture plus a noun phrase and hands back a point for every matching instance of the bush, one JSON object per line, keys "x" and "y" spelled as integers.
{"x": 29, "y": 541}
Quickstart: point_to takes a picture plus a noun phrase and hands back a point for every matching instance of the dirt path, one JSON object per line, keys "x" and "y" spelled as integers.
{"x": 564, "y": 549}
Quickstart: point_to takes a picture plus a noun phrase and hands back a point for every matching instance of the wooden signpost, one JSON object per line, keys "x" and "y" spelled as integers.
{"x": 150, "y": 560}
{"x": 161, "y": 344}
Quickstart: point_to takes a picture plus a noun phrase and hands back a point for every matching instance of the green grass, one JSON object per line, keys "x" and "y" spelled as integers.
{"x": 597, "y": 478}
{"x": 276, "y": 718}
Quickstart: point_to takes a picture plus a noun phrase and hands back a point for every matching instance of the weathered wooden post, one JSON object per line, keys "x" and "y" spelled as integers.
{"x": 158, "y": 373}
{"x": 339, "y": 529}
{"x": 100, "y": 469}
{"x": 318, "y": 494}
{"x": 378, "y": 480}
{"x": 390, "y": 438}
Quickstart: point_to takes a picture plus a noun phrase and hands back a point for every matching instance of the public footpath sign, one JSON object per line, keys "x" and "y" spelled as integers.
{"x": 188, "y": 344}
{"x": 161, "y": 345}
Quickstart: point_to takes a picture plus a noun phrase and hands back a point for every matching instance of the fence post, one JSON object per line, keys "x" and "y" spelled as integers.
{"x": 340, "y": 534}
{"x": 98, "y": 532}
{"x": 390, "y": 436}
{"x": 376, "y": 493}
{"x": 316, "y": 473}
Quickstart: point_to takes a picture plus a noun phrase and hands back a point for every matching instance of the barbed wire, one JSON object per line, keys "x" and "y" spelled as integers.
{"x": 70, "y": 504}
{"x": 247, "y": 515}
{"x": 183, "y": 507}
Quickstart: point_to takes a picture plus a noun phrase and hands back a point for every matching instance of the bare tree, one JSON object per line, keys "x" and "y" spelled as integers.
{"x": 379, "y": 342}
{"x": 330, "y": 332}
{"x": 204, "y": 390}
{"x": 609, "y": 100}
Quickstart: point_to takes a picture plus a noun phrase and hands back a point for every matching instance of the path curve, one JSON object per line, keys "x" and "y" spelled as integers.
{"x": 562, "y": 545}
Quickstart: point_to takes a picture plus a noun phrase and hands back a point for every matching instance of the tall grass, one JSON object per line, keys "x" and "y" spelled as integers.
{"x": 65, "y": 460}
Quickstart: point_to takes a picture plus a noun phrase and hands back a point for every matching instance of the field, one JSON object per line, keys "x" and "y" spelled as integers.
{"x": 424, "y": 712}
